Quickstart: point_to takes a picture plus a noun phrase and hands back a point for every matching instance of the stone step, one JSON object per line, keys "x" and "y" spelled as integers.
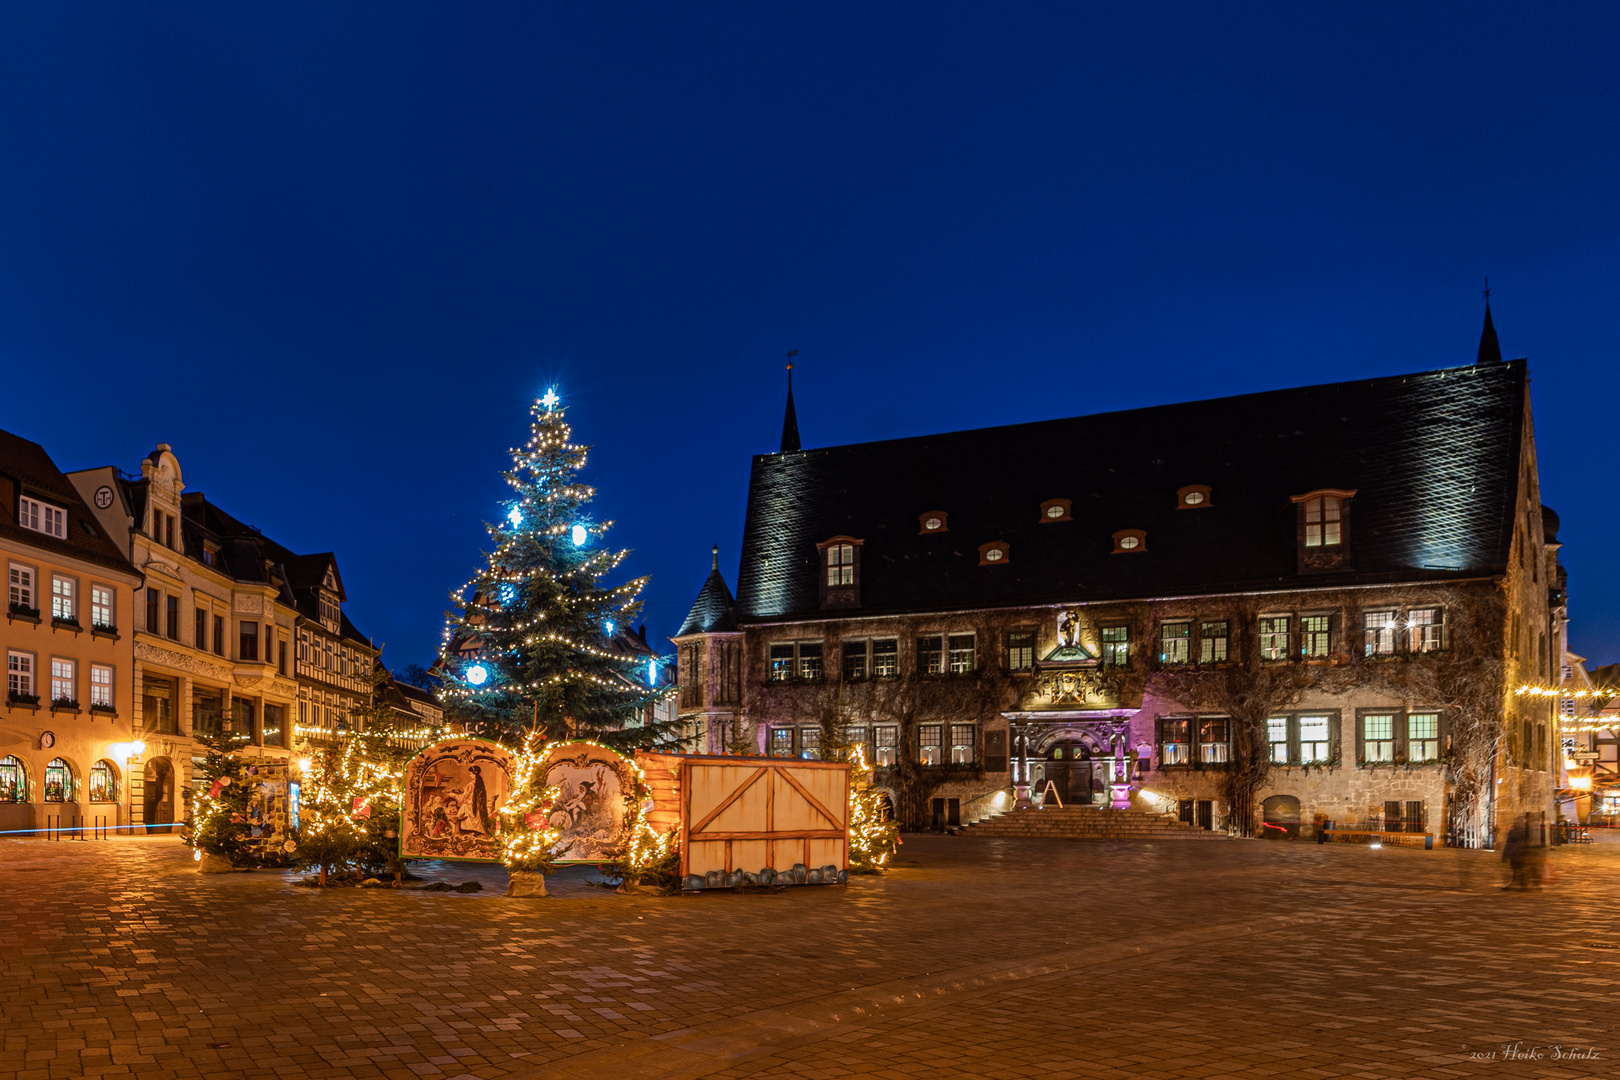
{"x": 1087, "y": 823}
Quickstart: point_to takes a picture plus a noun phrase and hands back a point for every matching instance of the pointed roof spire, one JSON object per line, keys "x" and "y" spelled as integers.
{"x": 1490, "y": 350}
{"x": 790, "y": 420}
{"x": 715, "y": 608}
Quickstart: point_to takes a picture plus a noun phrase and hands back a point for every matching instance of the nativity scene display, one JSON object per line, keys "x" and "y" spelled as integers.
{"x": 454, "y": 792}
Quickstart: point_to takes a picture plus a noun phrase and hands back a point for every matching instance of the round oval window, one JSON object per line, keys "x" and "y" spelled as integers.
{"x": 932, "y": 523}
{"x": 994, "y": 555}
{"x": 1128, "y": 543}
{"x": 1194, "y": 498}
{"x": 1054, "y": 511}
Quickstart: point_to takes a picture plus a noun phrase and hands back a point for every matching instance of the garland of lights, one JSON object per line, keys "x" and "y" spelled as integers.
{"x": 872, "y": 840}
{"x": 1558, "y": 691}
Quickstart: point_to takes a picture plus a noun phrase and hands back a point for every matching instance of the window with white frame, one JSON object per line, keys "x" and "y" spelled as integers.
{"x": 1313, "y": 739}
{"x": 781, "y": 742}
{"x": 64, "y": 598}
{"x": 962, "y": 744}
{"x": 1378, "y": 632}
{"x": 886, "y": 746}
{"x": 1175, "y": 748}
{"x": 1315, "y": 635}
{"x": 885, "y": 658}
{"x": 1274, "y": 636}
{"x": 1323, "y": 515}
{"x": 1214, "y": 740}
{"x": 42, "y": 517}
{"x": 22, "y": 587}
{"x": 20, "y": 674}
{"x": 1277, "y": 736}
{"x": 64, "y": 687}
{"x": 1021, "y": 650}
{"x": 1212, "y": 642}
{"x": 928, "y": 743}
{"x": 961, "y": 653}
{"x": 857, "y": 663}
{"x": 101, "y": 686}
{"x": 810, "y": 743}
{"x": 796, "y": 660}
{"x": 1422, "y": 736}
{"x": 1425, "y": 629}
{"x": 103, "y": 612}
{"x": 1378, "y": 737}
{"x": 1175, "y": 642}
{"x": 1116, "y": 645}
{"x": 840, "y": 564}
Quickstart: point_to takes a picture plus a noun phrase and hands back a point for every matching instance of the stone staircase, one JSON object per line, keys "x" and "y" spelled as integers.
{"x": 1088, "y": 823}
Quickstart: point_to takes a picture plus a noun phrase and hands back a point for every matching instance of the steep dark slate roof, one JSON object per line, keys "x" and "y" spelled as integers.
{"x": 1490, "y": 350}
{"x": 714, "y": 609}
{"x": 1433, "y": 457}
{"x": 26, "y": 469}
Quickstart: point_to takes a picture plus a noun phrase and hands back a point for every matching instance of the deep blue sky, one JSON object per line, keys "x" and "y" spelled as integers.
{"x": 332, "y": 252}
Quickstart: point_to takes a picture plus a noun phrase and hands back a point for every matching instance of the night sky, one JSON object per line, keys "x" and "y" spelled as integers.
{"x": 333, "y": 252}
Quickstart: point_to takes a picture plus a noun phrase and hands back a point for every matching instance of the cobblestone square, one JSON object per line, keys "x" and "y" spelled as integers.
{"x": 976, "y": 957}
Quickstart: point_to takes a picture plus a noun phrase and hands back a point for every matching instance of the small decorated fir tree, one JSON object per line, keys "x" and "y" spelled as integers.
{"x": 537, "y": 641}
{"x": 219, "y": 823}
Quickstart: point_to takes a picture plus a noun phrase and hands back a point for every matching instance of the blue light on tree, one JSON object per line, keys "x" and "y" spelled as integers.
{"x": 515, "y": 517}
{"x": 478, "y": 675}
{"x": 610, "y": 627}
{"x": 580, "y": 536}
{"x": 652, "y": 673}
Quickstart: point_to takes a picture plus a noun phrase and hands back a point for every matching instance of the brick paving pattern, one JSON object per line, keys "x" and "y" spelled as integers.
{"x": 977, "y": 957}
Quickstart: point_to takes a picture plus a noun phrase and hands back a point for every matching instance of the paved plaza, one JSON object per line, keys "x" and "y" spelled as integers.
{"x": 975, "y": 957}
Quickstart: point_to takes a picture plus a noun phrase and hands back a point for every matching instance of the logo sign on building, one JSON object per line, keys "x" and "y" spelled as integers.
{"x": 454, "y": 791}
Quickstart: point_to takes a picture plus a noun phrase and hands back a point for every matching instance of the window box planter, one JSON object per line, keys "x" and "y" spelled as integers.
{"x": 103, "y": 707}
{"x": 99, "y": 630}
{"x": 64, "y": 705}
{"x": 66, "y": 624}
{"x": 20, "y": 611}
{"x": 25, "y": 701}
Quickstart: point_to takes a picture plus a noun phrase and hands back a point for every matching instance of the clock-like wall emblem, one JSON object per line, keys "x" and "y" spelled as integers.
{"x": 47, "y": 739}
{"x": 103, "y": 497}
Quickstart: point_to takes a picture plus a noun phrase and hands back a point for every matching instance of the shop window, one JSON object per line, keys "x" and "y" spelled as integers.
{"x": 207, "y": 712}
{"x": 59, "y": 781}
{"x": 1212, "y": 642}
{"x": 275, "y": 725}
{"x": 13, "y": 781}
{"x": 102, "y": 786}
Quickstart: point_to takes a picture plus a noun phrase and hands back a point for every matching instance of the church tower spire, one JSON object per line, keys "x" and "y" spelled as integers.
{"x": 790, "y": 420}
{"x": 1490, "y": 350}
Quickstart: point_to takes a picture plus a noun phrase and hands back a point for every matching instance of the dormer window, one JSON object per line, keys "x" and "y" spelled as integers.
{"x": 1056, "y": 510}
{"x": 1129, "y": 541}
{"x": 995, "y": 553}
{"x": 1193, "y": 497}
{"x": 1324, "y": 530}
{"x": 933, "y": 521}
{"x": 42, "y": 517}
{"x": 210, "y": 555}
{"x": 840, "y": 560}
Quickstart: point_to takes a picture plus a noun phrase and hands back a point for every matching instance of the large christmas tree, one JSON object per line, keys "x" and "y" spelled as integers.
{"x": 537, "y": 641}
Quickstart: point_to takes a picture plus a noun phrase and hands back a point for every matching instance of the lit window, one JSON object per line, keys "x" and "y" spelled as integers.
{"x": 101, "y": 686}
{"x": 1021, "y": 650}
{"x": 41, "y": 517}
{"x": 1212, "y": 641}
{"x": 58, "y": 781}
{"x": 1212, "y": 742}
{"x": 1274, "y": 637}
{"x": 1116, "y": 645}
{"x": 933, "y": 521}
{"x": 933, "y": 524}
{"x": 1313, "y": 738}
{"x": 64, "y": 690}
{"x": 1193, "y": 497}
{"x": 928, "y": 742}
{"x": 101, "y": 783}
{"x": 1425, "y": 629}
{"x": 781, "y": 742}
{"x": 1056, "y": 510}
{"x": 810, "y": 660}
{"x": 1379, "y": 632}
{"x": 961, "y": 744}
{"x": 20, "y": 675}
{"x": 1423, "y": 737}
{"x": 1315, "y": 635}
{"x": 855, "y": 660}
{"x": 931, "y": 655}
{"x": 887, "y": 747}
{"x": 1277, "y": 736}
{"x": 1378, "y": 738}
{"x": 101, "y": 607}
{"x": 1130, "y": 540}
{"x": 13, "y": 781}
{"x": 885, "y": 657}
{"x": 995, "y": 553}
{"x": 1322, "y": 521}
{"x": 64, "y": 599}
{"x": 840, "y": 564}
{"x": 1173, "y": 745}
{"x": 810, "y": 743}
{"x": 22, "y": 588}
{"x": 961, "y": 658}
{"x": 1175, "y": 640}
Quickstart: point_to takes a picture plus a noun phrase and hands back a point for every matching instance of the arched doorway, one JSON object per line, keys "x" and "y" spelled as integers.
{"x": 1279, "y": 816}
{"x": 1070, "y": 771}
{"x": 157, "y": 791}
